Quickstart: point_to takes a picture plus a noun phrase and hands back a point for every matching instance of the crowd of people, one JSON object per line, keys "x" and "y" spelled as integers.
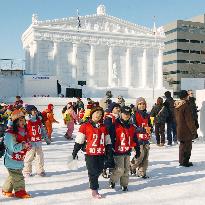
{"x": 109, "y": 133}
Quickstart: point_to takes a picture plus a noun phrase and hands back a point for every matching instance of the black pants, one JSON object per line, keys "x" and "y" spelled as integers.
{"x": 160, "y": 133}
{"x": 95, "y": 165}
{"x": 185, "y": 148}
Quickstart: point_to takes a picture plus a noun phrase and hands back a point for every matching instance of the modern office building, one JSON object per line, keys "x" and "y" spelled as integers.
{"x": 184, "y": 53}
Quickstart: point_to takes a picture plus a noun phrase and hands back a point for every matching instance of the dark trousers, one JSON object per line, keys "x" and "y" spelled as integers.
{"x": 185, "y": 148}
{"x": 160, "y": 133}
{"x": 171, "y": 131}
{"x": 95, "y": 165}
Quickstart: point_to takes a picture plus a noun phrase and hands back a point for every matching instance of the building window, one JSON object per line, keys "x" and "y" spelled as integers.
{"x": 176, "y": 40}
{"x": 194, "y": 41}
{"x": 194, "y": 62}
{"x": 176, "y": 50}
{"x": 175, "y": 82}
{"x": 175, "y": 61}
{"x": 193, "y": 51}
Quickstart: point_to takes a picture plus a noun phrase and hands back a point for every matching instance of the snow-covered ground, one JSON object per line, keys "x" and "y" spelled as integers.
{"x": 168, "y": 183}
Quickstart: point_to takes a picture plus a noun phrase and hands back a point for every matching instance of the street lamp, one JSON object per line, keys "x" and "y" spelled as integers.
{"x": 153, "y": 69}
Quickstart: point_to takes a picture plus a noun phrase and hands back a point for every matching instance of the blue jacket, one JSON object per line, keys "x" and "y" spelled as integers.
{"x": 12, "y": 146}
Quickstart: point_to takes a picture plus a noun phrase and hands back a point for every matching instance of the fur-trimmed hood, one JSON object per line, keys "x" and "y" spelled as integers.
{"x": 179, "y": 103}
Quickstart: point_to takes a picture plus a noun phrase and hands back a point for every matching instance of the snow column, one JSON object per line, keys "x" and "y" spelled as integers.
{"x": 159, "y": 70}
{"x": 74, "y": 64}
{"x": 92, "y": 66}
{"x": 110, "y": 64}
{"x": 55, "y": 59}
{"x": 128, "y": 69}
{"x": 28, "y": 60}
{"x": 144, "y": 69}
{"x": 34, "y": 60}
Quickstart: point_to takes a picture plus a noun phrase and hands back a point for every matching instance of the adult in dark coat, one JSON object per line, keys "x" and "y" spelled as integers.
{"x": 186, "y": 129}
{"x": 171, "y": 124}
{"x": 194, "y": 110}
{"x": 160, "y": 114}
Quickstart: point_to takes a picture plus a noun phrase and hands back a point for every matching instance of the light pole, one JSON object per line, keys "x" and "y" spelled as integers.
{"x": 153, "y": 69}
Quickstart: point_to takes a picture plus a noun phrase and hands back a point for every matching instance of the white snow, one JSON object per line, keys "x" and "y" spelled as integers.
{"x": 168, "y": 183}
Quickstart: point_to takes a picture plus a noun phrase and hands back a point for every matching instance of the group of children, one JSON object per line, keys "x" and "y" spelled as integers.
{"x": 26, "y": 129}
{"x": 108, "y": 140}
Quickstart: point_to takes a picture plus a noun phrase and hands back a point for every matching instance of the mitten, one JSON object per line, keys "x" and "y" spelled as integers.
{"x": 48, "y": 141}
{"x": 137, "y": 152}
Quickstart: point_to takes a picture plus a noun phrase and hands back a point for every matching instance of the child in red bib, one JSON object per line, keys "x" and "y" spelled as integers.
{"x": 97, "y": 141}
{"x": 141, "y": 120}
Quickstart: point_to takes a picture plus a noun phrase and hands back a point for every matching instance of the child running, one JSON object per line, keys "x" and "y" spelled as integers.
{"x": 97, "y": 140}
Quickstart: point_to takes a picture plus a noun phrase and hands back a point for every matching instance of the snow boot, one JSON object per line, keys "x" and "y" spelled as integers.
{"x": 8, "y": 194}
{"x": 111, "y": 184}
{"x": 124, "y": 188}
{"x": 42, "y": 174}
{"x": 22, "y": 194}
{"x": 96, "y": 195}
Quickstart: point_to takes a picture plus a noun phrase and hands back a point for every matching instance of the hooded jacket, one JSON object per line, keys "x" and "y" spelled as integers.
{"x": 186, "y": 129}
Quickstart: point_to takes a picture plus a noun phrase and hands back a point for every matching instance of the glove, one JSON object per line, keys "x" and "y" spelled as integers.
{"x": 110, "y": 163}
{"x": 137, "y": 152}
{"x": 195, "y": 136}
{"x": 27, "y": 145}
{"x": 75, "y": 156}
{"x": 48, "y": 141}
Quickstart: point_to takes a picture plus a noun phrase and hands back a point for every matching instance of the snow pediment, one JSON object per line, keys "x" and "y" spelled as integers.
{"x": 98, "y": 23}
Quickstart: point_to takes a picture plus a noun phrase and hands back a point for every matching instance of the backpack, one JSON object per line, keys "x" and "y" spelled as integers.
{"x": 44, "y": 115}
{"x": 2, "y": 147}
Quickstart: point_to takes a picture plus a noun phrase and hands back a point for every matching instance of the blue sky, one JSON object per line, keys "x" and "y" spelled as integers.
{"x": 15, "y": 15}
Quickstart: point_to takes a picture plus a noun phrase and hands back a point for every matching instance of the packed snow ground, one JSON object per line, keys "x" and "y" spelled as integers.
{"x": 168, "y": 183}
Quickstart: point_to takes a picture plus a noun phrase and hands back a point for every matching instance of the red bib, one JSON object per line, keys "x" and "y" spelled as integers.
{"x": 19, "y": 156}
{"x": 142, "y": 122}
{"x": 95, "y": 138}
{"x": 124, "y": 138}
{"x": 34, "y": 130}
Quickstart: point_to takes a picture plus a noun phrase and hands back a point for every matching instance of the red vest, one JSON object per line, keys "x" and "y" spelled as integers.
{"x": 142, "y": 122}
{"x": 124, "y": 138}
{"x": 19, "y": 156}
{"x": 34, "y": 130}
{"x": 95, "y": 138}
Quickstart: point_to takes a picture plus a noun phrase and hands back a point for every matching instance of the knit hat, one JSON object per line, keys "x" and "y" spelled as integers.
{"x": 29, "y": 108}
{"x": 167, "y": 94}
{"x": 139, "y": 100}
{"x": 183, "y": 94}
{"x": 126, "y": 110}
{"x": 16, "y": 114}
{"x": 49, "y": 106}
{"x": 95, "y": 109}
{"x": 112, "y": 105}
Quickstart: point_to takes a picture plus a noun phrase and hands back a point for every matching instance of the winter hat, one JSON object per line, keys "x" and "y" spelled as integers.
{"x": 139, "y": 100}
{"x": 29, "y": 108}
{"x": 126, "y": 110}
{"x": 112, "y": 105}
{"x": 89, "y": 106}
{"x": 95, "y": 109}
{"x": 9, "y": 107}
{"x": 167, "y": 94}
{"x": 132, "y": 106}
{"x": 49, "y": 106}
{"x": 16, "y": 114}
{"x": 183, "y": 94}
